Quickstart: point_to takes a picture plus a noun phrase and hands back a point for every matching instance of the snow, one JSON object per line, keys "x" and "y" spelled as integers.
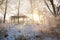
{"x": 31, "y": 32}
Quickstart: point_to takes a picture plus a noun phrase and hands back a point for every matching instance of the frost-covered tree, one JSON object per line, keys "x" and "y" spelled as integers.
{"x": 55, "y": 6}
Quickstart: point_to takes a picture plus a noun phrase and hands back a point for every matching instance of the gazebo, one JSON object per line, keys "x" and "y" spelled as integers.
{"x": 14, "y": 18}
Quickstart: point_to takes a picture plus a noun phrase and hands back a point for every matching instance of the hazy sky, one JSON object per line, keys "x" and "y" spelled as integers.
{"x": 24, "y": 7}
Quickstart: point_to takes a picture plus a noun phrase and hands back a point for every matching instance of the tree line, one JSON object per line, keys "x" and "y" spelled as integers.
{"x": 55, "y": 12}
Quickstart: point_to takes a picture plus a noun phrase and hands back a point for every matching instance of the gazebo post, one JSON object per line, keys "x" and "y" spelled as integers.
{"x": 14, "y": 19}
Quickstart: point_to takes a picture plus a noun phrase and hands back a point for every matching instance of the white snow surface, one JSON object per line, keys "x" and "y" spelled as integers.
{"x": 16, "y": 30}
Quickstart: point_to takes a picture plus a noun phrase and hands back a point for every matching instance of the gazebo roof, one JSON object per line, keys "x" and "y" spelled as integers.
{"x": 20, "y": 16}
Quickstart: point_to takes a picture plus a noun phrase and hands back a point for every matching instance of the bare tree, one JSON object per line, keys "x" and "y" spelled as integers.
{"x": 5, "y": 11}
{"x": 55, "y": 11}
{"x": 34, "y": 6}
{"x": 31, "y": 2}
{"x": 18, "y": 10}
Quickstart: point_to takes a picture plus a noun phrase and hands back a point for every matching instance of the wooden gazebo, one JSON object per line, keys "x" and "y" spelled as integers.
{"x": 24, "y": 17}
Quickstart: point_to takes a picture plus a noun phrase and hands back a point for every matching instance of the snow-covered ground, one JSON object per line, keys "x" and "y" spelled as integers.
{"x": 26, "y": 32}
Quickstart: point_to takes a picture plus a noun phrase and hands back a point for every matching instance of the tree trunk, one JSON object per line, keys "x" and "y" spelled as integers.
{"x": 5, "y": 12}
{"x": 18, "y": 10}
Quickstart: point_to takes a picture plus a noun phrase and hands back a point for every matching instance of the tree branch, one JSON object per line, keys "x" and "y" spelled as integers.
{"x": 1, "y": 2}
{"x": 55, "y": 14}
{"x": 48, "y": 7}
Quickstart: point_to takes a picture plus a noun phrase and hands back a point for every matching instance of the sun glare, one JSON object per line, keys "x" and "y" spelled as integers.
{"x": 35, "y": 17}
